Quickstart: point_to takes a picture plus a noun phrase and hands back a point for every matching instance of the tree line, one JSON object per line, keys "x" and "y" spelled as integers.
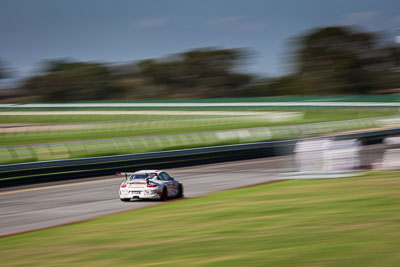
{"x": 324, "y": 61}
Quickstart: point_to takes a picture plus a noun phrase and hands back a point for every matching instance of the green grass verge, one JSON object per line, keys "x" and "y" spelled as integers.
{"x": 331, "y": 222}
{"x": 155, "y": 128}
{"x": 311, "y": 115}
{"x": 150, "y": 128}
{"x": 81, "y": 118}
{"x": 171, "y": 142}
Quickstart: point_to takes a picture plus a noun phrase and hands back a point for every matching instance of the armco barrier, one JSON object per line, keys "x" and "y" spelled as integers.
{"x": 26, "y": 173}
{"x": 35, "y": 172}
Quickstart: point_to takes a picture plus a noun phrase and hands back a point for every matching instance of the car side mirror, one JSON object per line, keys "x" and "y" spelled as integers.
{"x": 171, "y": 178}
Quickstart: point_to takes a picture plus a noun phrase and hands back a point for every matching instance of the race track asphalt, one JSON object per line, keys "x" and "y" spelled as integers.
{"x": 26, "y": 208}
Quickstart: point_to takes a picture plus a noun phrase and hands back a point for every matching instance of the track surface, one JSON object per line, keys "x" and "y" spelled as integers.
{"x": 32, "y": 207}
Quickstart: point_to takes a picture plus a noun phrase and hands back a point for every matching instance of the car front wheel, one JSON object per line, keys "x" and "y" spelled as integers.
{"x": 180, "y": 191}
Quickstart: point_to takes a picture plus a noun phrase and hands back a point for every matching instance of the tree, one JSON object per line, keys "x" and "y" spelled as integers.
{"x": 392, "y": 57}
{"x": 68, "y": 81}
{"x": 203, "y": 72}
{"x": 283, "y": 85}
{"x": 338, "y": 60}
{"x": 4, "y": 72}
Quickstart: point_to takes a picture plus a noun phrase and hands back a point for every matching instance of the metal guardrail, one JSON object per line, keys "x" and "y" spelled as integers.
{"x": 25, "y": 173}
{"x": 35, "y": 172}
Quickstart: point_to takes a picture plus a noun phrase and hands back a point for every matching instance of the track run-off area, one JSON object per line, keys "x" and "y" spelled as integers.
{"x": 32, "y": 207}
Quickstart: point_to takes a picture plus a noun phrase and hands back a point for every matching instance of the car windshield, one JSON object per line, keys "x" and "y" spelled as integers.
{"x": 137, "y": 176}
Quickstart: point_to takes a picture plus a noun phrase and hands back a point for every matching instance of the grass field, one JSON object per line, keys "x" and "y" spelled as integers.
{"x": 328, "y": 222}
{"x": 311, "y": 115}
{"x": 92, "y": 127}
{"x": 27, "y": 137}
{"x": 158, "y": 130}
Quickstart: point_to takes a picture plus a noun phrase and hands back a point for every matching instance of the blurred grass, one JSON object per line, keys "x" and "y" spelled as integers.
{"x": 331, "y": 222}
{"x": 125, "y": 134}
{"x": 78, "y": 118}
{"x": 311, "y": 115}
{"x": 129, "y": 126}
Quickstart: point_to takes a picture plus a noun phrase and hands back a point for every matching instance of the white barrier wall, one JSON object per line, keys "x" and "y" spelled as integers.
{"x": 391, "y": 156}
{"x": 309, "y": 154}
{"x": 324, "y": 154}
{"x": 342, "y": 155}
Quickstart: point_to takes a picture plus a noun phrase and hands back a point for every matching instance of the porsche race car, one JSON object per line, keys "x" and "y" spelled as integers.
{"x": 149, "y": 184}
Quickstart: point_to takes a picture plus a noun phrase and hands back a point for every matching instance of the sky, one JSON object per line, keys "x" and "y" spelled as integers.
{"x": 122, "y": 31}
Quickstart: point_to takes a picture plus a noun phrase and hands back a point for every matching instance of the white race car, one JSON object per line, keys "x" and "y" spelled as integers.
{"x": 150, "y": 184}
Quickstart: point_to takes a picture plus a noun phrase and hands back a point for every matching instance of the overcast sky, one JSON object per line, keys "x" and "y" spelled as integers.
{"x": 121, "y": 31}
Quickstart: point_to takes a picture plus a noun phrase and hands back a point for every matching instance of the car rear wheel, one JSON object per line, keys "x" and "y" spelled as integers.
{"x": 164, "y": 195}
{"x": 180, "y": 191}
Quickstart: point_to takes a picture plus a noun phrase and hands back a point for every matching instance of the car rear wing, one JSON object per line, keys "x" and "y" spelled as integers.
{"x": 126, "y": 174}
